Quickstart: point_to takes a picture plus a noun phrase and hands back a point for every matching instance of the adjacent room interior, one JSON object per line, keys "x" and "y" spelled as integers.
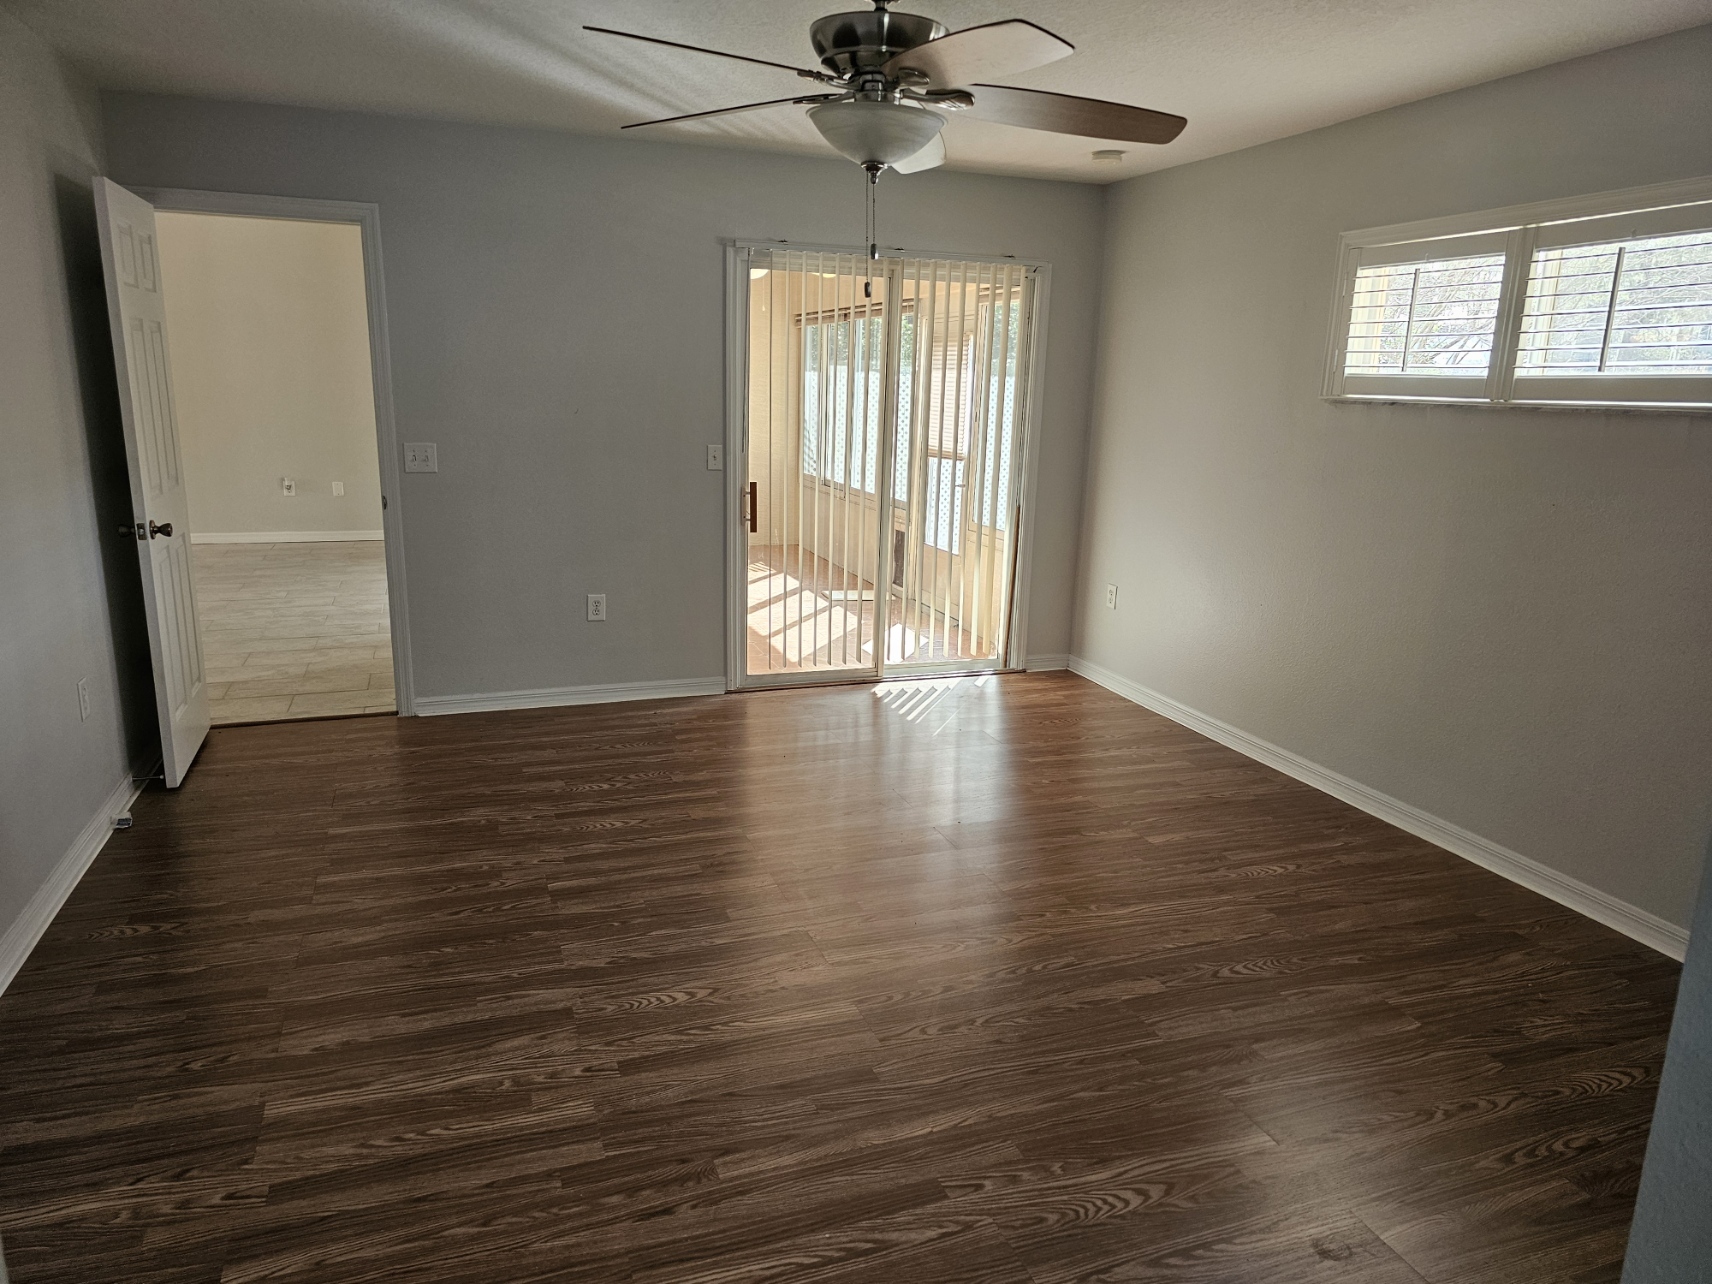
{"x": 677, "y": 644}
{"x": 274, "y": 397}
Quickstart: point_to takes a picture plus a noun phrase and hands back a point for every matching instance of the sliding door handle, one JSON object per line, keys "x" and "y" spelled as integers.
{"x": 754, "y": 507}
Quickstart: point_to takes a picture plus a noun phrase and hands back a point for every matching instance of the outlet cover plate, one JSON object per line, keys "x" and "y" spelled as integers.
{"x": 1112, "y": 597}
{"x": 597, "y": 606}
{"x": 421, "y": 457}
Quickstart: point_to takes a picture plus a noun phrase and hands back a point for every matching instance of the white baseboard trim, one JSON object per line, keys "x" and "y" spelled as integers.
{"x": 1046, "y": 663}
{"x": 1602, "y": 907}
{"x": 551, "y": 697}
{"x": 21, "y": 937}
{"x": 282, "y": 537}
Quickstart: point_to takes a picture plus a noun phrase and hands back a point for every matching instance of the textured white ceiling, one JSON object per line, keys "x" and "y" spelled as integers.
{"x": 1242, "y": 71}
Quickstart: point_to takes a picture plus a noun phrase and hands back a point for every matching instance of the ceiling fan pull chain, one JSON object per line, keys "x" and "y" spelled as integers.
{"x": 873, "y": 231}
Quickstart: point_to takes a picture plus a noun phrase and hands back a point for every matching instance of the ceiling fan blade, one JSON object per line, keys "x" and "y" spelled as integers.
{"x": 726, "y": 111}
{"x": 930, "y": 157}
{"x": 1067, "y": 114}
{"x": 805, "y": 72}
{"x": 994, "y": 49}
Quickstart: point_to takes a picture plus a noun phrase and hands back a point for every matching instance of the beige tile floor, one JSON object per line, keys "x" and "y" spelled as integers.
{"x": 294, "y": 630}
{"x": 802, "y": 617}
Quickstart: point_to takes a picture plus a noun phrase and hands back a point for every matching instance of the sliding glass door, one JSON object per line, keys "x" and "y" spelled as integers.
{"x": 884, "y": 412}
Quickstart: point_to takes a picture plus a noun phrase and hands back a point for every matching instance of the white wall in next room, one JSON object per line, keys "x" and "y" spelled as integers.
{"x": 270, "y": 367}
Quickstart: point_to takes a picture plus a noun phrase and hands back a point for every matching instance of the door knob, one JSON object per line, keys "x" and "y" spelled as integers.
{"x": 165, "y": 528}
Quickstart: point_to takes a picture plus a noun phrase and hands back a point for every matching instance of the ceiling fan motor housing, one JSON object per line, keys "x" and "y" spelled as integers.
{"x": 851, "y": 43}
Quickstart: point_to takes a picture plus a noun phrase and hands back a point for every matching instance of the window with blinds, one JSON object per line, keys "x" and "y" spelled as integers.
{"x": 1604, "y": 300}
{"x": 1432, "y": 318}
{"x": 1640, "y": 307}
{"x": 841, "y": 395}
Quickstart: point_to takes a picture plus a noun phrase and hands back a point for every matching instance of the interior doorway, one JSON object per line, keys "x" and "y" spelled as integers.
{"x": 280, "y": 617}
{"x": 884, "y": 428}
{"x": 270, "y": 367}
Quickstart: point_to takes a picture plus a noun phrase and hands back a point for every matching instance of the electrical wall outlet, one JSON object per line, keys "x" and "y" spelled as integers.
{"x": 338, "y": 488}
{"x": 420, "y": 457}
{"x": 1112, "y": 596}
{"x": 597, "y": 606}
{"x": 716, "y": 459}
{"x": 83, "y": 698}
{"x": 287, "y": 486}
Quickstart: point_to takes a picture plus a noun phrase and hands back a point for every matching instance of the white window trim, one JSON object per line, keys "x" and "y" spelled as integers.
{"x": 1518, "y": 229}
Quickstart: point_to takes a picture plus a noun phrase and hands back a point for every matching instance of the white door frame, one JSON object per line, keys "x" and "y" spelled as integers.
{"x": 736, "y": 452}
{"x": 367, "y": 218}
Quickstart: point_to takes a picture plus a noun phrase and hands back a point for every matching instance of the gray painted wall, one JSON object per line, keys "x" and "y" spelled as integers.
{"x": 1502, "y": 617}
{"x": 556, "y": 310}
{"x": 1670, "y": 1241}
{"x": 69, "y": 598}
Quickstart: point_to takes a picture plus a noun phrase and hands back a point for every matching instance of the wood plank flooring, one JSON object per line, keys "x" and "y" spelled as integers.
{"x": 1002, "y": 980}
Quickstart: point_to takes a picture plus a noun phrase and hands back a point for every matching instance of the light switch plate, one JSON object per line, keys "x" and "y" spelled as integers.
{"x": 420, "y": 457}
{"x": 338, "y": 488}
{"x": 83, "y": 698}
{"x": 716, "y": 459}
{"x": 597, "y": 606}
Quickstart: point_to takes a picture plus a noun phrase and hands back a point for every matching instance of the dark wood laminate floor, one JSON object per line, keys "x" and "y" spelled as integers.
{"x": 1008, "y": 982}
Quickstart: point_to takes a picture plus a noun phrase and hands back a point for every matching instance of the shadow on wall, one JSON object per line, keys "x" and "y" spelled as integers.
{"x": 1670, "y": 1241}
{"x": 110, "y": 484}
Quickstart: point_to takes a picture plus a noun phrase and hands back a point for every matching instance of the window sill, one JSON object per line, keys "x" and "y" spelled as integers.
{"x": 1603, "y": 407}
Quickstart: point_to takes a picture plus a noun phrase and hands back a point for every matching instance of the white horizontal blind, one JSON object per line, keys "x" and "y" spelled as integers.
{"x": 1432, "y": 318}
{"x": 1639, "y": 307}
{"x": 1599, "y": 300}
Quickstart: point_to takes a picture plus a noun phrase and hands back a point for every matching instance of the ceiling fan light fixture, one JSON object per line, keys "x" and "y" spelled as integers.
{"x": 1109, "y": 156}
{"x": 876, "y": 133}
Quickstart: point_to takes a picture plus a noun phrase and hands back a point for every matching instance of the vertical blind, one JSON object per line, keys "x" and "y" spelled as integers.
{"x": 885, "y": 410}
{"x": 961, "y": 364}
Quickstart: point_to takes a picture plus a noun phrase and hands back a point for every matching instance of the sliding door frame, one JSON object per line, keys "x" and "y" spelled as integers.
{"x": 737, "y": 258}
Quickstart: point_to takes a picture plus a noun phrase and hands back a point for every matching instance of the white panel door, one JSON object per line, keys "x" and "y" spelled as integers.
{"x": 160, "y": 515}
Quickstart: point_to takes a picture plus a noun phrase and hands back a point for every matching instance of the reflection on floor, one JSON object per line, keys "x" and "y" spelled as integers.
{"x": 294, "y": 630}
{"x": 808, "y": 614}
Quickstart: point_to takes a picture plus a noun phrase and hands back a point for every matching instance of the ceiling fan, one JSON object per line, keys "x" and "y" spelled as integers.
{"x": 893, "y": 73}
